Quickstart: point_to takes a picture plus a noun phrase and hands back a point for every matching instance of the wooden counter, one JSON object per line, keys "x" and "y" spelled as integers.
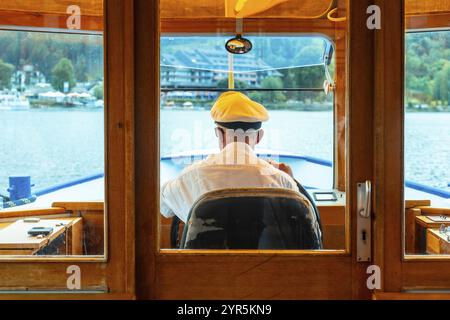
{"x": 424, "y": 225}
{"x": 437, "y": 243}
{"x": 14, "y": 238}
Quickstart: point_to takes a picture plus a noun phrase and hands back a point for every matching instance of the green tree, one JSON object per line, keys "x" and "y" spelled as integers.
{"x": 441, "y": 86}
{"x": 98, "y": 91}
{"x": 427, "y": 68}
{"x": 6, "y": 71}
{"x": 238, "y": 84}
{"x": 272, "y": 96}
{"x": 81, "y": 70}
{"x": 312, "y": 54}
{"x": 62, "y": 73}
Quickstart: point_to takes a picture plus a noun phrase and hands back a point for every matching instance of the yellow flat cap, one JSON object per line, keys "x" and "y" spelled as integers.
{"x": 237, "y": 107}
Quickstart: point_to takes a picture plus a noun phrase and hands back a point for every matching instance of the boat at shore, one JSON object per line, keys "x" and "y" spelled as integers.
{"x": 13, "y": 101}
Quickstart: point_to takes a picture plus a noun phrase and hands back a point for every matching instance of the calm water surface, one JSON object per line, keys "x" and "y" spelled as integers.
{"x": 58, "y": 145}
{"x": 50, "y": 145}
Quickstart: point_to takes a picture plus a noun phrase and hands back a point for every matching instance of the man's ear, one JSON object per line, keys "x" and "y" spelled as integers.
{"x": 221, "y": 135}
{"x": 260, "y": 136}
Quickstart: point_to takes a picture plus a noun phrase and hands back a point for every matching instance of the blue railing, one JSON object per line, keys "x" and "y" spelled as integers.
{"x": 69, "y": 184}
{"x": 410, "y": 184}
{"x": 424, "y": 188}
{"x": 10, "y": 202}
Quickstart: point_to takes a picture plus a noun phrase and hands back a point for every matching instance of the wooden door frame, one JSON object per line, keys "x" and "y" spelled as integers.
{"x": 399, "y": 274}
{"x": 115, "y": 274}
{"x": 222, "y": 276}
{"x": 388, "y": 184}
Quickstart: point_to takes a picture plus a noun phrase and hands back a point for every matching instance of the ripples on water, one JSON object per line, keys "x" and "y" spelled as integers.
{"x": 58, "y": 145}
{"x": 50, "y": 145}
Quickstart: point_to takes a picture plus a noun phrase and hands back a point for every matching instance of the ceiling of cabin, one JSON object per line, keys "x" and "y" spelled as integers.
{"x": 305, "y": 9}
{"x": 413, "y": 7}
{"x": 88, "y": 7}
{"x": 244, "y": 8}
{"x": 214, "y": 8}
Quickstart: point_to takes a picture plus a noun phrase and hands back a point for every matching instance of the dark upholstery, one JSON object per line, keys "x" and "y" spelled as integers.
{"x": 252, "y": 219}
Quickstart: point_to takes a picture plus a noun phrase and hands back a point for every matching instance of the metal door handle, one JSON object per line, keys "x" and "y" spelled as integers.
{"x": 364, "y": 195}
{"x": 364, "y": 222}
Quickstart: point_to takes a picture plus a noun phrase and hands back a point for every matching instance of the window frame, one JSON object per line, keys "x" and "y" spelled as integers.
{"x": 322, "y": 28}
{"x": 222, "y": 276}
{"x": 50, "y": 280}
{"x": 406, "y": 257}
{"x": 402, "y": 277}
{"x": 87, "y": 258}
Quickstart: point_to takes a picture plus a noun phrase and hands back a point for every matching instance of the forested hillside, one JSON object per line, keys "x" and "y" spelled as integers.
{"x": 427, "y": 69}
{"x": 45, "y": 50}
{"x": 427, "y": 82}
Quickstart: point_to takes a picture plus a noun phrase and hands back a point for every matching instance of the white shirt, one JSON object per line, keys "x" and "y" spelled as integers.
{"x": 236, "y": 166}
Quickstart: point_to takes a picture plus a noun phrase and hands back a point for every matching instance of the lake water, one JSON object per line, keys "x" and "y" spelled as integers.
{"x": 59, "y": 145}
{"x": 50, "y": 145}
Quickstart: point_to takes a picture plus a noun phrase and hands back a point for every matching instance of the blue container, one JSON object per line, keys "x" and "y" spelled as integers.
{"x": 19, "y": 187}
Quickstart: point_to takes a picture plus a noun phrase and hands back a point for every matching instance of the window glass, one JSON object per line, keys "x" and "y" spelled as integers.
{"x": 290, "y": 76}
{"x": 427, "y": 116}
{"x": 427, "y": 151}
{"x": 192, "y": 65}
{"x": 52, "y": 124}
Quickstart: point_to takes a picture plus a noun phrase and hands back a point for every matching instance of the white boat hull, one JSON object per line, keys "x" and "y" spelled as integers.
{"x": 22, "y": 105}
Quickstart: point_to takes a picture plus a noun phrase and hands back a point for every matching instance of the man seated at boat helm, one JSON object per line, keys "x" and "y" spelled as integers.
{"x": 238, "y": 122}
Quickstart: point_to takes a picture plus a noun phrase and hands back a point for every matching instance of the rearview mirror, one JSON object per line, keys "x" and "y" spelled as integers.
{"x": 238, "y": 45}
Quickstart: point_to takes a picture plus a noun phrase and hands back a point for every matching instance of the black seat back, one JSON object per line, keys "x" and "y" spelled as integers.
{"x": 252, "y": 219}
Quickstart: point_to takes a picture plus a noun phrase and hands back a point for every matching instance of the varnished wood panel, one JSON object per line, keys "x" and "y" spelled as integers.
{"x": 298, "y": 9}
{"x": 389, "y": 129}
{"x": 437, "y": 243}
{"x": 146, "y": 118}
{"x": 88, "y": 7}
{"x": 31, "y": 212}
{"x": 255, "y": 277}
{"x": 216, "y": 8}
{"x": 50, "y": 13}
{"x": 165, "y": 229}
{"x": 433, "y": 211}
{"x": 94, "y": 231}
{"x": 428, "y": 21}
{"x": 409, "y": 204}
{"x": 426, "y": 222}
{"x": 80, "y": 206}
{"x": 76, "y": 238}
{"x": 340, "y": 101}
{"x": 429, "y": 6}
{"x": 425, "y": 275}
{"x": 47, "y": 21}
{"x": 410, "y": 296}
{"x": 360, "y": 153}
{"x": 411, "y": 231}
{"x": 228, "y": 26}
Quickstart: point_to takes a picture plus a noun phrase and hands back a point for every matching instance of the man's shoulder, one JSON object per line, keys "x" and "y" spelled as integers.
{"x": 193, "y": 166}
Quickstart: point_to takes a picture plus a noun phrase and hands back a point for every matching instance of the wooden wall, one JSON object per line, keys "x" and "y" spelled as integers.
{"x": 217, "y": 9}
{"x": 50, "y": 13}
{"x": 53, "y": 13}
{"x": 413, "y": 7}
